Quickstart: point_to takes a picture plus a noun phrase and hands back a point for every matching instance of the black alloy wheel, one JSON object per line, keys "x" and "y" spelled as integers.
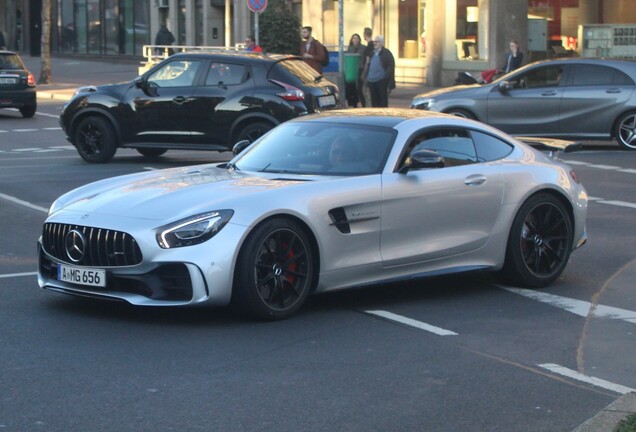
{"x": 254, "y": 131}
{"x": 275, "y": 270}
{"x": 95, "y": 140}
{"x": 540, "y": 242}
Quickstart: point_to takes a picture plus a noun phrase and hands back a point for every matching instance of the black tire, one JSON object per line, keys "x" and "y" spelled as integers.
{"x": 275, "y": 270}
{"x": 625, "y": 131}
{"x": 461, "y": 113}
{"x": 95, "y": 140}
{"x": 253, "y": 131}
{"x": 28, "y": 111}
{"x": 540, "y": 242}
{"x": 151, "y": 152}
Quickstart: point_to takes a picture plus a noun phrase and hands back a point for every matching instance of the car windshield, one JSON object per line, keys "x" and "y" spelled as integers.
{"x": 10, "y": 61}
{"x": 320, "y": 148}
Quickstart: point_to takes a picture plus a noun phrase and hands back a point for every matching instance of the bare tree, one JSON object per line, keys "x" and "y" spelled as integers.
{"x": 45, "y": 52}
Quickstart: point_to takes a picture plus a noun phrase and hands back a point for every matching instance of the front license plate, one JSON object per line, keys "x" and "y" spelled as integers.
{"x": 81, "y": 276}
{"x": 8, "y": 80}
{"x": 326, "y": 101}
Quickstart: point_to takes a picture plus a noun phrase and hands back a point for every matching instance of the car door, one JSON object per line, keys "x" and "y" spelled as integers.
{"x": 430, "y": 214}
{"x": 219, "y": 101}
{"x": 531, "y": 105}
{"x": 162, "y": 104}
{"x": 594, "y": 97}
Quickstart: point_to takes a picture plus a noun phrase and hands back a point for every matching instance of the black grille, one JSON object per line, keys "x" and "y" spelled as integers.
{"x": 104, "y": 248}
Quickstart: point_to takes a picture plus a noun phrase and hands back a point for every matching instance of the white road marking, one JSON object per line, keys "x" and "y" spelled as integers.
{"x": 618, "y": 203}
{"x": 27, "y": 149}
{"x": 577, "y": 307}
{"x": 24, "y": 130}
{"x": 15, "y": 275}
{"x": 560, "y": 370}
{"x": 52, "y": 128}
{"x": 23, "y": 203}
{"x": 628, "y": 170}
{"x": 411, "y": 322}
{"x": 47, "y": 115}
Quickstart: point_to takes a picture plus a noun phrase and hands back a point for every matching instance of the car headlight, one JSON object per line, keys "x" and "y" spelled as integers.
{"x": 424, "y": 103}
{"x": 193, "y": 230}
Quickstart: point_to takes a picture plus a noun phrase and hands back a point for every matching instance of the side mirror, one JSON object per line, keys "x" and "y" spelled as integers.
{"x": 505, "y": 86}
{"x": 421, "y": 159}
{"x": 140, "y": 82}
{"x": 240, "y": 146}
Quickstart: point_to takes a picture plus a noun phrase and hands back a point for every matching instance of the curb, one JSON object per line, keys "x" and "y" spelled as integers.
{"x": 608, "y": 418}
{"x": 52, "y": 95}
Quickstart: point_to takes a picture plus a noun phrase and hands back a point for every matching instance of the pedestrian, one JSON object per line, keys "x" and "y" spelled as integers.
{"x": 164, "y": 38}
{"x": 514, "y": 58}
{"x": 354, "y": 88}
{"x": 365, "y": 96}
{"x": 311, "y": 50}
{"x": 380, "y": 74}
{"x": 250, "y": 45}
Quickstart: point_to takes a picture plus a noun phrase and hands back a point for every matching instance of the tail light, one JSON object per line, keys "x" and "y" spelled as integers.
{"x": 291, "y": 93}
{"x": 30, "y": 80}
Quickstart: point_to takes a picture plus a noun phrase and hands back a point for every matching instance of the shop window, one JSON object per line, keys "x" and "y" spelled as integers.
{"x": 466, "y": 30}
{"x": 412, "y": 31}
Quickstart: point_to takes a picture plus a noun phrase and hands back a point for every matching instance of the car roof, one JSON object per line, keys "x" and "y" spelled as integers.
{"x": 243, "y": 56}
{"x": 386, "y": 117}
{"x": 620, "y": 63}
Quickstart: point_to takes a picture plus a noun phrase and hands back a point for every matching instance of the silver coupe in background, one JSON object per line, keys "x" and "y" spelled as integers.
{"x": 580, "y": 98}
{"x": 336, "y": 200}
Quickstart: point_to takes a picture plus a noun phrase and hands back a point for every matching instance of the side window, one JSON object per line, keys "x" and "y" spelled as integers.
{"x": 541, "y": 77}
{"x": 490, "y": 148}
{"x": 225, "y": 74}
{"x": 180, "y": 73}
{"x": 592, "y": 75}
{"x": 454, "y": 144}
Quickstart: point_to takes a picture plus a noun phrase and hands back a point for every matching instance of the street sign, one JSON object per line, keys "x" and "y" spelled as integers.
{"x": 257, "y": 6}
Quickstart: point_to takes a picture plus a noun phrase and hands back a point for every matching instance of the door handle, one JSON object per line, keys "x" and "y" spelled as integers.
{"x": 549, "y": 93}
{"x": 180, "y": 100}
{"x": 613, "y": 91}
{"x": 475, "y": 180}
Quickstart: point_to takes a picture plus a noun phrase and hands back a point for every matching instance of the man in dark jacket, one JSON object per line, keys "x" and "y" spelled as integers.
{"x": 164, "y": 37}
{"x": 311, "y": 50}
{"x": 380, "y": 74}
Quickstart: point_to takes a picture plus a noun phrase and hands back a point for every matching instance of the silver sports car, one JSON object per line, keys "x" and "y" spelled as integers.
{"x": 337, "y": 200}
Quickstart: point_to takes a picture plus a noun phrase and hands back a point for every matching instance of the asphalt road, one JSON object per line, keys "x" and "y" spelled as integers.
{"x": 476, "y": 356}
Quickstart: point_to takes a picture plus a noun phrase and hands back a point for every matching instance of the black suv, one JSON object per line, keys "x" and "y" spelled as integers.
{"x": 17, "y": 85}
{"x": 194, "y": 101}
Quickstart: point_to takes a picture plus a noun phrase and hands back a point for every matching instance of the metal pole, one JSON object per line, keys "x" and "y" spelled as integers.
{"x": 341, "y": 56}
{"x": 256, "y": 28}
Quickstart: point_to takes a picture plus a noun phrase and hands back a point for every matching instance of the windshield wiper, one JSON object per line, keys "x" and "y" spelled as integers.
{"x": 318, "y": 79}
{"x": 231, "y": 166}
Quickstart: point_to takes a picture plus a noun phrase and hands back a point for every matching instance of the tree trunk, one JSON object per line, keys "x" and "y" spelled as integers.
{"x": 45, "y": 56}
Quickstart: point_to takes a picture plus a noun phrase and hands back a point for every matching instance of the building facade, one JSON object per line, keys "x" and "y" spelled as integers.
{"x": 431, "y": 40}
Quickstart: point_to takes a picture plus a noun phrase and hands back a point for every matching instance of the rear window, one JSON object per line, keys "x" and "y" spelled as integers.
{"x": 10, "y": 61}
{"x": 597, "y": 75}
{"x": 296, "y": 70}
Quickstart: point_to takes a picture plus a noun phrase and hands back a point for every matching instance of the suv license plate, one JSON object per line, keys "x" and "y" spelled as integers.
{"x": 81, "y": 276}
{"x": 8, "y": 80}
{"x": 326, "y": 101}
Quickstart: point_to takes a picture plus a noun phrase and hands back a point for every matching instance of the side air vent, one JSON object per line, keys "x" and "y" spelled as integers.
{"x": 339, "y": 219}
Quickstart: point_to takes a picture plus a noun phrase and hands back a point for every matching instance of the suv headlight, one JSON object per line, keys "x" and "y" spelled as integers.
{"x": 193, "y": 230}
{"x": 424, "y": 103}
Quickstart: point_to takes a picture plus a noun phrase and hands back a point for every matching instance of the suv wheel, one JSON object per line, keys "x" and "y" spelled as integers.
{"x": 95, "y": 140}
{"x": 28, "y": 111}
{"x": 151, "y": 152}
{"x": 253, "y": 131}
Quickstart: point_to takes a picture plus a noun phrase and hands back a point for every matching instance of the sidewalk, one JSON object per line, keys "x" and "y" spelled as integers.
{"x": 71, "y": 73}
